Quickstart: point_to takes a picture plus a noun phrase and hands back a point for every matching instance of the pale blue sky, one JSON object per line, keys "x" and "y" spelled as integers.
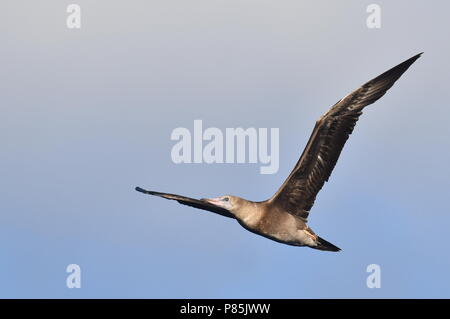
{"x": 86, "y": 115}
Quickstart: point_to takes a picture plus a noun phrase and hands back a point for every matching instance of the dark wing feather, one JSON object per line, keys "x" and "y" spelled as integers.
{"x": 201, "y": 204}
{"x": 298, "y": 192}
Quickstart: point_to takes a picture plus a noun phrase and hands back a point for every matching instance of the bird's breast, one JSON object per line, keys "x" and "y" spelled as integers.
{"x": 278, "y": 226}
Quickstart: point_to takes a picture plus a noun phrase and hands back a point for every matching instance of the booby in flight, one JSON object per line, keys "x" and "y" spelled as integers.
{"x": 283, "y": 217}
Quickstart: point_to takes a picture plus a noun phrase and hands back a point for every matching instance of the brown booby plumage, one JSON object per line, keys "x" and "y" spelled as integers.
{"x": 283, "y": 217}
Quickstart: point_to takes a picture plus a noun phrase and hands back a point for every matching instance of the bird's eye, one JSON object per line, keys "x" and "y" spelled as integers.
{"x": 226, "y": 199}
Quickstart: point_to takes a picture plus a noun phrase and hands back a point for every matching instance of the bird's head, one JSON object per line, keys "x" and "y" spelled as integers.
{"x": 229, "y": 202}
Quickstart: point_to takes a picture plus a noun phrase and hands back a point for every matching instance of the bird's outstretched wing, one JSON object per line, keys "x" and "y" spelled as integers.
{"x": 201, "y": 204}
{"x": 298, "y": 192}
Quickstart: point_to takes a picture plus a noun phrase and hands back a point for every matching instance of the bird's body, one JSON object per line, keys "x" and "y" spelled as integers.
{"x": 283, "y": 217}
{"x": 268, "y": 220}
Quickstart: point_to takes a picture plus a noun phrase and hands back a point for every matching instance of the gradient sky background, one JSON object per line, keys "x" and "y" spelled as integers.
{"x": 86, "y": 115}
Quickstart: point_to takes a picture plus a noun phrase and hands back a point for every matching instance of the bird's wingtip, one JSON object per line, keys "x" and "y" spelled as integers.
{"x": 412, "y": 59}
{"x": 139, "y": 189}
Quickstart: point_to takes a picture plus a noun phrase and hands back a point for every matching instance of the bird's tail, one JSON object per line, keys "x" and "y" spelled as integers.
{"x": 322, "y": 244}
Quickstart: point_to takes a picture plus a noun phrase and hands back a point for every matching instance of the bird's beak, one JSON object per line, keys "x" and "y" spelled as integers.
{"x": 215, "y": 201}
